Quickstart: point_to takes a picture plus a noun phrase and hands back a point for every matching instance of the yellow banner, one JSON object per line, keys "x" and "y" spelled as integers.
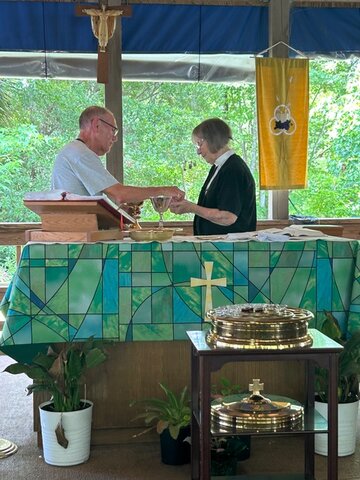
{"x": 282, "y": 94}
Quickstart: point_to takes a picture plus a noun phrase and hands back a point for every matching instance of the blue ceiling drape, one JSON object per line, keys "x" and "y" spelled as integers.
{"x": 161, "y": 28}
{"x": 326, "y": 30}
{"x": 38, "y": 26}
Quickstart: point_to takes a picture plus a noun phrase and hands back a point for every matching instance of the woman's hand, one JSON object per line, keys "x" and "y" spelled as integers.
{"x": 214, "y": 215}
{"x": 183, "y": 206}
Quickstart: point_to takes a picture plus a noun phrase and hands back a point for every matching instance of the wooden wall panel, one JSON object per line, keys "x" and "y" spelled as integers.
{"x": 134, "y": 370}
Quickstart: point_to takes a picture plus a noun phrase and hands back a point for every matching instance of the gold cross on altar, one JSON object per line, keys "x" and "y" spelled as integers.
{"x": 256, "y": 386}
{"x": 208, "y": 283}
{"x": 103, "y": 24}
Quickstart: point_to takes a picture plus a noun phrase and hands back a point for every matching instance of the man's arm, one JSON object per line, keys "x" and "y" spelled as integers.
{"x": 128, "y": 194}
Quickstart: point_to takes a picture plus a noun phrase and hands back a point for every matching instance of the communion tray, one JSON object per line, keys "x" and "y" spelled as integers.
{"x": 259, "y": 326}
{"x": 237, "y": 413}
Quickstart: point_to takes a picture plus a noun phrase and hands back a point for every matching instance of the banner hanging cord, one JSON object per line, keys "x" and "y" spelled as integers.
{"x": 302, "y": 54}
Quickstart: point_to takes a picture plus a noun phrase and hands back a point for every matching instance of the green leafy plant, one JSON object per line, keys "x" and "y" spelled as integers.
{"x": 225, "y": 453}
{"x": 349, "y": 364}
{"x": 173, "y": 412}
{"x": 224, "y": 387}
{"x": 61, "y": 371}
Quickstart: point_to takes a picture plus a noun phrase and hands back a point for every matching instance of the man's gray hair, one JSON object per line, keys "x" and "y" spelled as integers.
{"x": 90, "y": 112}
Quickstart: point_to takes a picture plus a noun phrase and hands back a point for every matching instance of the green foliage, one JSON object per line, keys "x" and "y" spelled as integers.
{"x": 226, "y": 452}
{"x": 7, "y": 263}
{"x": 229, "y": 446}
{"x": 333, "y": 154}
{"x": 161, "y": 151}
{"x": 225, "y": 387}
{"x": 61, "y": 371}
{"x": 37, "y": 117}
{"x": 349, "y": 364}
{"x": 173, "y": 412}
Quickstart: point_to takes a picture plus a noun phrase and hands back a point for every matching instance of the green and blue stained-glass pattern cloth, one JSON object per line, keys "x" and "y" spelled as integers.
{"x": 142, "y": 292}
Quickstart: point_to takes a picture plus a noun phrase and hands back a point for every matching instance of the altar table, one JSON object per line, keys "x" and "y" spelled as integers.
{"x": 127, "y": 291}
{"x": 145, "y": 296}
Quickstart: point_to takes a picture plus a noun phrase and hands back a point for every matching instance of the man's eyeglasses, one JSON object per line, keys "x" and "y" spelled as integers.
{"x": 114, "y": 129}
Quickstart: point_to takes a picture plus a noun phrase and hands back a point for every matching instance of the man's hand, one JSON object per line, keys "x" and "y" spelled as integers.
{"x": 133, "y": 209}
{"x": 174, "y": 192}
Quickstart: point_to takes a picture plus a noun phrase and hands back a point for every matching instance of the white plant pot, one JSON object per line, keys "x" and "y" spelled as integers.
{"x": 77, "y": 429}
{"x": 347, "y": 425}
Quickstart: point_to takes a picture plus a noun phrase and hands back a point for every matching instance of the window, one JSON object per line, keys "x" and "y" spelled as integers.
{"x": 37, "y": 117}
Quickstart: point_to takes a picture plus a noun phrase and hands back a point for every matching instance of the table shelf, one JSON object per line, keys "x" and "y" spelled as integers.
{"x": 267, "y": 476}
{"x": 206, "y": 360}
{"x": 313, "y": 423}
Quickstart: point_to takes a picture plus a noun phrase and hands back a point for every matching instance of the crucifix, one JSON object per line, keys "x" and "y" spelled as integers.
{"x": 103, "y": 24}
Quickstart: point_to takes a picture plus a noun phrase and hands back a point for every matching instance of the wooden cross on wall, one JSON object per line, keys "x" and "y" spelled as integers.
{"x": 103, "y": 24}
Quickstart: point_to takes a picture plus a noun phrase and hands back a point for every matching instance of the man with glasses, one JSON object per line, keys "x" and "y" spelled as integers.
{"x": 78, "y": 168}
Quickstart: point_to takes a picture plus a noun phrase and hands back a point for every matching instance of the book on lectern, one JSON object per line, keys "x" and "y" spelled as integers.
{"x": 53, "y": 200}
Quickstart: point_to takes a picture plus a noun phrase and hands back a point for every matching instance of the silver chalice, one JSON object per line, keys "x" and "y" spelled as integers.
{"x": 160, "y": 204}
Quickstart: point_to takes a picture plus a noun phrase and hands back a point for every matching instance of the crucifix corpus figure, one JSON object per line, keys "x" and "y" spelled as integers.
{"x": 103, "y": 25}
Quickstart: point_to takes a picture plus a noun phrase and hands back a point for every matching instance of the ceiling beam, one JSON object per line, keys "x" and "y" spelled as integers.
{"x": 254, "y": 3}
{"x": 113, "y": 101}
{"x": 279, "y": 14}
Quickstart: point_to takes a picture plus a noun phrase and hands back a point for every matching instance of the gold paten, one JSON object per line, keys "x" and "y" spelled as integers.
{"x": 259, "y": 326}
{"x": 256, "y": 413}
{"x": 155, "y": 234}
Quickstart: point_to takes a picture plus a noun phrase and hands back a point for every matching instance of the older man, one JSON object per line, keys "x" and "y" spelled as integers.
{"x": 78, "y": 168}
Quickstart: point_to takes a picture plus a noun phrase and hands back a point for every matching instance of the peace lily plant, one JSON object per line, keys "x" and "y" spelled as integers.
{"x": 60, "y": 371}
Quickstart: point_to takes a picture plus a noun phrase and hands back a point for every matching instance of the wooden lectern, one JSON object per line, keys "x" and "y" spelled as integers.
{"x": 75, "y": 221}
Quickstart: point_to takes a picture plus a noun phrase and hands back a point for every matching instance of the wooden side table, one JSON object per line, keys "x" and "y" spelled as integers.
{"x": 205, "y": 360}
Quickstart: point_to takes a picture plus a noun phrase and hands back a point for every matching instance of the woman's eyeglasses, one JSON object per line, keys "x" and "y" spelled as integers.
{"x": 199, "y": 144}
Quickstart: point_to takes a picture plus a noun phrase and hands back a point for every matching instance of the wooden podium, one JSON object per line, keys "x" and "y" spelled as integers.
{"x": 75, "y": 221}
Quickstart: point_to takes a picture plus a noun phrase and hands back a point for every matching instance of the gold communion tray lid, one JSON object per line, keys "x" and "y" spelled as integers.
{"x": 255, "y": 412}
{"x": 259, "y": 326}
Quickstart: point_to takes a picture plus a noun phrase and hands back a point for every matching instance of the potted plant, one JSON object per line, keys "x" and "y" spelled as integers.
{"x": 171, "y": 418}
{"x": 66, "y": 418}
{"x": 225, "y": 452}
{"x": 348, "y": 388}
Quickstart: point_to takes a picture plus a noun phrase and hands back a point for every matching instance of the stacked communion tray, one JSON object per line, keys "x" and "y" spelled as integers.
{"x": 259, "y": 326}
{"x": 235, "y": 413}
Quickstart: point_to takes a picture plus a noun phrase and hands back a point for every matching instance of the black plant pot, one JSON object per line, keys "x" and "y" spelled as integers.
{"x": 223, "y": 464}
{"x": 175, "y": 452}
{"x": 245, "y": 440}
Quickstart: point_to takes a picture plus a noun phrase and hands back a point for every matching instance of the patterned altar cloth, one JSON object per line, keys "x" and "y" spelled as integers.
{"x": 127, "y": 291}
